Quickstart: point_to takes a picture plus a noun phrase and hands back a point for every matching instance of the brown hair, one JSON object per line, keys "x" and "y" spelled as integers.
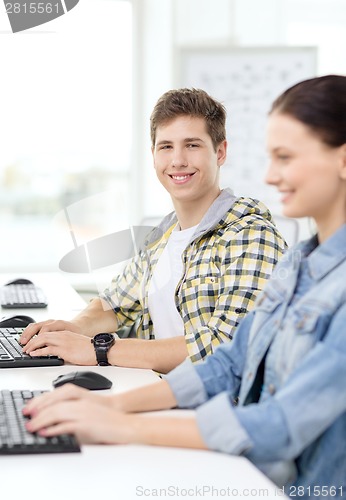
{"x": 319, "y": 103}
{"x": 192, "y": 102}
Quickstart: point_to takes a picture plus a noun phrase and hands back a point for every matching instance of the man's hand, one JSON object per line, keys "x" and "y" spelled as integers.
{"x": 49, "y": 325}
{"x": 68, "y": 345}
{"x": 95, "y": 318}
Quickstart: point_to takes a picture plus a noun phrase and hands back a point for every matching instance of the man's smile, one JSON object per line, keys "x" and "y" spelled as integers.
{"x": 180, "y": 178}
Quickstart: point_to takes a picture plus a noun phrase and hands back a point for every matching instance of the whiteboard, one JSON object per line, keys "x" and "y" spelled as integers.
{"x": 246, "y": 80}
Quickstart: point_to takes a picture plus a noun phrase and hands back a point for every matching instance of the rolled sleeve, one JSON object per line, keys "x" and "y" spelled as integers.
{"x": 186, "y": 385}
{"x": 220, "y": 428}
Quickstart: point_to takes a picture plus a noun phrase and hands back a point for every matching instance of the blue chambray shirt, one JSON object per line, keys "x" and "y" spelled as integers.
{"x": 295, "y": 432}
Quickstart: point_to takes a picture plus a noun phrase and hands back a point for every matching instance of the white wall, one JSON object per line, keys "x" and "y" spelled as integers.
{"x": 161, "y": 28}
{"x": 167, "y": 25}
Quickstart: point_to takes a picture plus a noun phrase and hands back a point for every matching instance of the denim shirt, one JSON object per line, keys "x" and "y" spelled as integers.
{"x": 294, "y": 429}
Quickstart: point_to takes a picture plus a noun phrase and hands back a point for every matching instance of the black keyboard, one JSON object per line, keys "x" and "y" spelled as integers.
{"x": 15, "y": 439}
{"x": 12, "y": 356}
{"x": 20, "y": 296}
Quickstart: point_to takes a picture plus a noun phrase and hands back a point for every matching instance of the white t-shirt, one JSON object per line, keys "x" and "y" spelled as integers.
{"x": 167, "y": 273}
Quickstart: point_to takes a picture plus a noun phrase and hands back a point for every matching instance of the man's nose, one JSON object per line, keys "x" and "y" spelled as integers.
{"x": 179, "y": 159}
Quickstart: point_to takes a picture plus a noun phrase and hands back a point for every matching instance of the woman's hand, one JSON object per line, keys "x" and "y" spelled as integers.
{"x": 95, "y": 419}
{"x": 73, "y": 410}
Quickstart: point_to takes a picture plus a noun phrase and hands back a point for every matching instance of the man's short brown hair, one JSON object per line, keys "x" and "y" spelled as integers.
{"x": 192, "y": 102}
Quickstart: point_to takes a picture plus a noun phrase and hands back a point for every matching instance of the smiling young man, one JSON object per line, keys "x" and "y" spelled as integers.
{"x": 200, "y": 269}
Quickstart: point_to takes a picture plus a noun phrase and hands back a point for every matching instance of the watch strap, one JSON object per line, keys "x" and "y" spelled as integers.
{"x": 101, "y": 355}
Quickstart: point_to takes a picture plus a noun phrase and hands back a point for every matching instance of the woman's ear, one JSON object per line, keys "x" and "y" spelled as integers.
{"x": 343, "y": 164}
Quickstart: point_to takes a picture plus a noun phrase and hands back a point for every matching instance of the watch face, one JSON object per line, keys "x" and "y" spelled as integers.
{"x": 102, "y": 343}
{"x": 103, "y": 339}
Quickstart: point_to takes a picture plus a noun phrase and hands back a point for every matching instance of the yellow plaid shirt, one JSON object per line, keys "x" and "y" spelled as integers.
{"x": 226, "y": 265}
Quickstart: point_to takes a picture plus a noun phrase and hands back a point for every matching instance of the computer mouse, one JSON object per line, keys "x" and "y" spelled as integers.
{"x": 20, "y": 281}
{"x": 16, "y": 321}
{"x": 87, "y": 379}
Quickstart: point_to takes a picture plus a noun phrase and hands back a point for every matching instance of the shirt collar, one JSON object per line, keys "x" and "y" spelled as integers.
{"x": 321, "y": 259}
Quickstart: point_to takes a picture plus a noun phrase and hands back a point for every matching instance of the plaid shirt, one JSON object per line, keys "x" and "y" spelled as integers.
{"x": 230, "y": 256}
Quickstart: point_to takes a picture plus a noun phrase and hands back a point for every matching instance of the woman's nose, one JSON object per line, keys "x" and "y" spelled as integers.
{"x": 272, "y": 176}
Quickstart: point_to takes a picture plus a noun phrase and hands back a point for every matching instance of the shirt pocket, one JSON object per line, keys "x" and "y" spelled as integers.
{"x": 305, "y": 320}
{"x": 200, "y": 294}
{"x": 301, "y": 331}
{"x": 268, "y": 301}
{"x": 208, "y": 284}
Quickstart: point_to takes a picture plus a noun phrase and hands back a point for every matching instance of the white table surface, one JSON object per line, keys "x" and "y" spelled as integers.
{"x": 115, "y": 472}
{"x": 63, "y": 301}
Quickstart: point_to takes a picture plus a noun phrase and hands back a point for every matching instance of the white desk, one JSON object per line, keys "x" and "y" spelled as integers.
{"x": 123, "y": 470}
{"x": 117, "y": 472}
{"x": 63, "y": 301}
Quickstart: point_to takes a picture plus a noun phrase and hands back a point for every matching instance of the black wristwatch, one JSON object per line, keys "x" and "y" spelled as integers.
{"x": 102, "y": 343}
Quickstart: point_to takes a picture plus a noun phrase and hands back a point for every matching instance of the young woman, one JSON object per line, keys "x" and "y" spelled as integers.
{"x": 276, "y": 394}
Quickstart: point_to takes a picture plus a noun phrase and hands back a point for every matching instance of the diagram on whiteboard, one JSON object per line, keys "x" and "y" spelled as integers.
{"x": 246, "y": 81}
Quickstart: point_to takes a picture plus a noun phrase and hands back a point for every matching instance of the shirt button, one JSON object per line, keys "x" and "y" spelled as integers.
{"x": 271, "y": 389}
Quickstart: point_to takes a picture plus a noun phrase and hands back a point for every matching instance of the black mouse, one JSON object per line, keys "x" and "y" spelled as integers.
{"x": 89, "y": 380}
{"x": 16, "y": 321}
{"x": 20, "y": 281}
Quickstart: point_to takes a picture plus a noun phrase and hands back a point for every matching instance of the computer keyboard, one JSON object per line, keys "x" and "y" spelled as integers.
{"x": 15, "y": 439}
{"x": 20, "y": 296}
{"x": 12, "y": 356}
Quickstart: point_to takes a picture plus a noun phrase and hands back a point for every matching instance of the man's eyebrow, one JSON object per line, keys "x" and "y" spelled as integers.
{"x": 163, "y": 142}
{"x": 193, "y": 139}
{"x": 187, "y": 139}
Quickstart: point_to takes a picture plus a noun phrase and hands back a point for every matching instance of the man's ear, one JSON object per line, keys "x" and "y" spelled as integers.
{"x": 221, "y": 153}
{"x": 152, "y": 152}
